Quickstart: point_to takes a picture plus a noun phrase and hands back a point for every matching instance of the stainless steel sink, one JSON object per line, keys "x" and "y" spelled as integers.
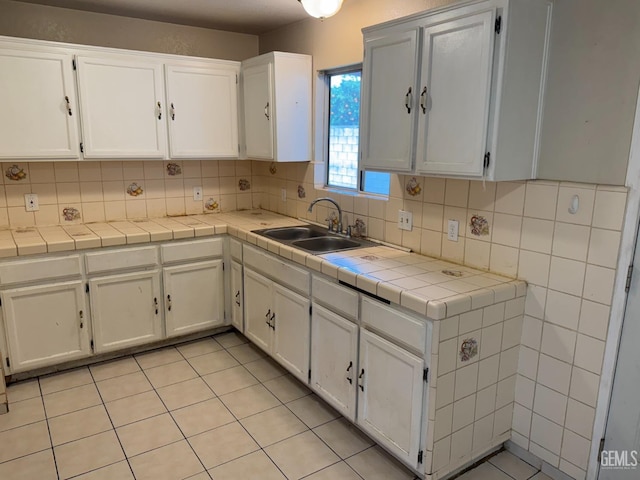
{"x": 312, "y": 239}
{"x": 293, "y": 233}
{"x": 326, "y": 244}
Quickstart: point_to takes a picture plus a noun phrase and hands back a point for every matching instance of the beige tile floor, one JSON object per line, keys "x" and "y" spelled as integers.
{"x": 211, "y": 409}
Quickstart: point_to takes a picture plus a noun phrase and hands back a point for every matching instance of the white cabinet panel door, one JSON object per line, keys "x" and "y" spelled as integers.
{"x": 257, "y": 309}
{"x": 122, "y": 107}
{"x": 202, "y": 111}
{"x": 334, "y": 356}
{"x": 126, "y": 310}
{"x": 194, "y": 297}
{"x": 39, "y": 105}
{"x": 390, "y": 101}
{"x": 456, "y": 73}
{"x": 291, "y": 327}
{"x": 237, "y": 297}
{"x": 46, "y": 325}
{"x": 390, "y": 383}
{"x": 257, "y": 91}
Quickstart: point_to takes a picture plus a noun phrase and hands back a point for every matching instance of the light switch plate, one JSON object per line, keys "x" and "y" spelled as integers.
{"x": 405, "y": 220}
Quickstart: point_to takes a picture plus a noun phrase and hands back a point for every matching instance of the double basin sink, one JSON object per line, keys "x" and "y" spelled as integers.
{"x": 313, "y": 239}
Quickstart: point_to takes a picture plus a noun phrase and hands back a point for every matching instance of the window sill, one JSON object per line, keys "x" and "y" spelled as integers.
{"x": 351, "y": 192}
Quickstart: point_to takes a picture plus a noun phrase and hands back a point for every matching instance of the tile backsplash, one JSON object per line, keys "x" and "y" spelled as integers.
{"x": 520, "y": 229}
{"x": 85, "y": 192}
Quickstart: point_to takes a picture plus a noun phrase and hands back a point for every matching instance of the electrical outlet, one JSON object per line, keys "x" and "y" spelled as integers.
{"x": 197, "y": 194}
{"x": 31, "y": 202}
{"x": 405, "y": 220}
{"x": 452, "y": 230}
{"x": 284, "y": 194}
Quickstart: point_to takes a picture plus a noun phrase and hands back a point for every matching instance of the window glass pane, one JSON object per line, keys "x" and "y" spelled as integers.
{"x": 376, "y": 182}
{"x": 344, "y": 121}
{"x": 344, "y": 134}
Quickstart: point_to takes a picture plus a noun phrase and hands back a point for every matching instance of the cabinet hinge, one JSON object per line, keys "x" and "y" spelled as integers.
{"x": 498, "y": 26}
{"x": 627, "y": 285}
{"x": 8, "y": 362}
{"x": 425, "y": 374}
{"x": 91, "y": 344}
{"x": 310, "y": 309}
{"x": 86, "y": 288}
{"x": 73, "y": 63}
{"x": 487, "y": 160}
{"x": 236, "y": 78}
{"x": 0, "y": 302}
{"x": 81, "y": 147}
{"x": 420, "y": 455}
{"x": 309, "y": 377}
{"x": 600, "y": 449}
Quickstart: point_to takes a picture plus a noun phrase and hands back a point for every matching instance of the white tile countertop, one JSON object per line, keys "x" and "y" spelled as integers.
{"x": 425, "y": 285}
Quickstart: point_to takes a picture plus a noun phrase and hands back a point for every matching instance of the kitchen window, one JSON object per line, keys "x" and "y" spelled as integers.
{"x": 342, "y": 135}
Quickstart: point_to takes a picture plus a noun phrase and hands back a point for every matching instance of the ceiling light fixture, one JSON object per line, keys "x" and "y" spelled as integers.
{"x": 321, "y": 8}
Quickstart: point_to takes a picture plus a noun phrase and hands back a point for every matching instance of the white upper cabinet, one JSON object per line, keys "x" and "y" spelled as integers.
{"x": 474, "y": 109}
{"x": 202, "y": 111}
{"x": 455, "y": 93}
{"x": 38, "y": 98}
{"x": 122, "y": 107}
{"x": 388, "y": 107}
{"x": 276, "y": 92}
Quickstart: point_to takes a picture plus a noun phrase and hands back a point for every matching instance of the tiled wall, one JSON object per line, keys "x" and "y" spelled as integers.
{"x": 521, "y": 229}
{"x": 83, "y": 192}
{"x": 475, "y": 362}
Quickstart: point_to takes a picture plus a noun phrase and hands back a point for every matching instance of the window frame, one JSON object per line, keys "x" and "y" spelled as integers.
{"x": 324, "y": 81}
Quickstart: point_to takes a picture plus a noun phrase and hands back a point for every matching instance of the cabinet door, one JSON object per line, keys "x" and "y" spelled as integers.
{"x": 122, "y": 107}
{"x": 334, "y": 356}
{"x": 126, "y": 310}
{"x": 39, "y": 103}
{"x": 257, "y": 309}
{"x": 390, "y": 381}
{"x": 46, "y": 325}
{"x": 259, "y": 110}
{"x": 237, "y": 317}
{"x": 390, "y": 101}
{"x": 202, "y": 111}
{"x": 292, "y": 331}
{"x": 456, "y": 72}
{"x": 194, "y": 297}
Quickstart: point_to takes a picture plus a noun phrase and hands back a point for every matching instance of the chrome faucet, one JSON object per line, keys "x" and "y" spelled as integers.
{"x": 339, "y": 228}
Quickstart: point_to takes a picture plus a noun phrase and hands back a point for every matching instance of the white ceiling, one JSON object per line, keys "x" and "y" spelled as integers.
{"x": 246, "y": 16}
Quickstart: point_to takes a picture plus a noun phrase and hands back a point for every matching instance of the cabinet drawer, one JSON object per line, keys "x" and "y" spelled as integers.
{"x": 186, "y": 251}
{"x": 397, "y": 325}
{"x": 285, "y": 274}
{"x": 236, "y": 249}
{"x": 41, "y": 269}
{"x": 335, "y": 297}
{"x": 121, "y": 259}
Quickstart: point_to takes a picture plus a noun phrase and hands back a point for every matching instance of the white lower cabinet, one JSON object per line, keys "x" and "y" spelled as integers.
{"x": 390, "y": 396}
{"x": 237, "y": 296}
{"x": 334, "y": 357}
{"x": 46, "y": 324}
{"x": 277, "y": 320}
{"x": 194, "y": 297}
{"x": 126, "y": 310}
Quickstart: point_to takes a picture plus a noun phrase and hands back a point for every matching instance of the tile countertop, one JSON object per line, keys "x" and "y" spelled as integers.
{"x": 425, "y": 285}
